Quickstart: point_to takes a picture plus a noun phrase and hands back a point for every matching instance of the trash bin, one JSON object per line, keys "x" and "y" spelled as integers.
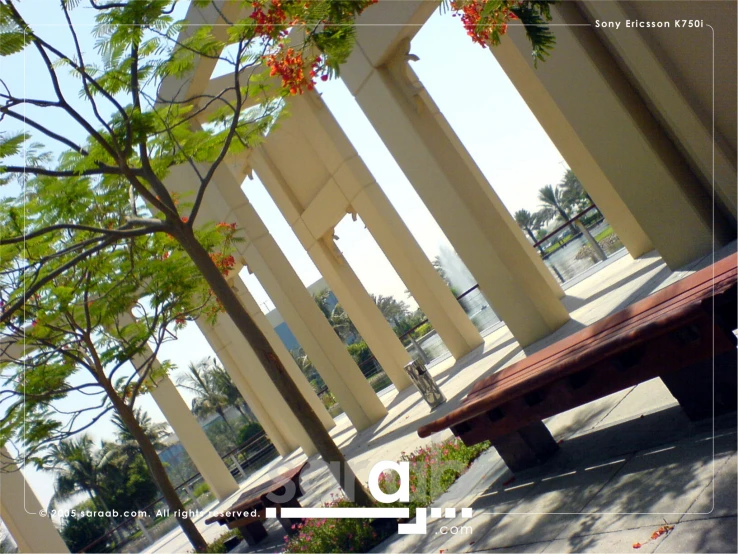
{"x": 422, "y": 379}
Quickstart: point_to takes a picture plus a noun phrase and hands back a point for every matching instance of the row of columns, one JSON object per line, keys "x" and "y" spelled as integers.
{"x": 610, "y": 138}
{"x": 225, "y": 201}
{"x": 645, "y": 200}
{"x": 513, "y": 278}
{"x": 314, "y": 206}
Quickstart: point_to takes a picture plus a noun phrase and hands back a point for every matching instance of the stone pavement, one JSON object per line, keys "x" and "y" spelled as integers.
{"x": 628, "y": 463}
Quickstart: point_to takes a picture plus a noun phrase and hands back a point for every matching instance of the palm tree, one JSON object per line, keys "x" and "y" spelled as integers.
{"x": 336, "y": 316}
{"x": 208, "y": 399}
{"x": 552, "y": 207}
{"x": 573, "y": 193}
{"x": 393, "y": 310}
{"x": 79, "y": 469}
{"x": 224, "y": 384}
{"x": 553, "y": 200}
{"x": 127, "y": 445}
{"x": 528, "y": 223}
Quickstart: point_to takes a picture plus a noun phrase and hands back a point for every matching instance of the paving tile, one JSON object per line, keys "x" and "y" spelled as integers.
{"x": 582, "y": 418}
{"x": 642, "y": 399}
{"x": 723, "y": 490}
{"x": 533, "y": 548}
{"x": 706, "y": 535}
{"x": 606, "y": 543}
{"x": 652, "y": 487}
{"x": 538, "y": 512}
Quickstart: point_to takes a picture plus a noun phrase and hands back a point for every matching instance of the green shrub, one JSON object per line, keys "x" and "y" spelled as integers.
{"x": 218, "y": 545}
{"x": 79, "y": 531}
{"x": 359, "y": 352}
{"x": 380, "y": 381}
{"x": 422, "y": 330}
{"x": 328, "y": 400}
{"x": 201, "y": 489}
{"x": 249, "y": 431}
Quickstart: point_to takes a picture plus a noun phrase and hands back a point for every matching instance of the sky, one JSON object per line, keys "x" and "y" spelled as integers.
{"x": 481, "y": 105}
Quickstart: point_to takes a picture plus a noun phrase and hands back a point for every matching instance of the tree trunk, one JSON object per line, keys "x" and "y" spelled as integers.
{"x": 535, "y": 240}
{"x": 157, "y": 470}
{"x": 599, "y": 254}
{"x": 274, "y": 368}
{"x": 230, "y": 428}
{"x": 113, "y": 520}
{"x": 565, "y": 217}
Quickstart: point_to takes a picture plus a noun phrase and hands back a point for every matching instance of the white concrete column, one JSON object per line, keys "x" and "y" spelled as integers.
{"x": 19, "y": 510}
{"x": 522, "y": 291}
{"x": 252, "y": 308}
{"x": 612, "y": 142}
{"x": 343, "y": 183}
{"x": 362, "y": 310}
{"x": 193, "y": 438}
{"x": 339, "y": 275}
{"x": 314, "y": 333}
{"x": 255, "y": 374}
{"x": 430, "y": 291}
{"x": 712, "y": 159}
{"x": 283, "y": 444}
{"x": 225, "y": 201}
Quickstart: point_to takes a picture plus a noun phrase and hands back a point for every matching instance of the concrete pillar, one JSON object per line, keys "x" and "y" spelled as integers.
{"x": 257, "y": 377}
{"x": 610, "y": 139}
{"x": 430, "y": 291}
{"x": 342, "y": 178}
{"x": 225, "y": 201}
{"x": 19, "y": 510}
{"x": 344, "y": 283}
{"x": 313, "y": 332}
{"x": 362, "y": 310}
{"x": 712, "y": 158}
{"x": 252, "y": 308}
{"x": 521, "y": 290}
{"x": 283, "y": 444}
{"x": 194, "y": 440}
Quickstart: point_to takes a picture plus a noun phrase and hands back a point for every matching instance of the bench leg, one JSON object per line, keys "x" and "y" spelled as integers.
{"x": 288, "y": 522}
{"x": 526, "y": 447}
{"x": 693, "y": 386}
{"x": 253, "y": 533}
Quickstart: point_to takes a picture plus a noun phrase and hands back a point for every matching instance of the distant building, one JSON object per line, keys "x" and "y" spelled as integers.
{"x": 279, "y": 325}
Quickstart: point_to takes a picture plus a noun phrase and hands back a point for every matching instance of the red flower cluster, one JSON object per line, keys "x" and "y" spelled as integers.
{"x": 483, "y": 29}
{"x": 273, "y": 22}
{"x": 224, "y": 263}
{"x": 291, "y": 66}
{"x": 226, "y": 226}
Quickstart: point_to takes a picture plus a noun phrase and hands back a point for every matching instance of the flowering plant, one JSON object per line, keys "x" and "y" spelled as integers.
{"x": 333, "y": 535}
{"x": 486, "y": 21}
{"x": 433, "y": 469}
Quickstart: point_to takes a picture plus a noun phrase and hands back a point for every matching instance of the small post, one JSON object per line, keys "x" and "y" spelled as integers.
{"x": 238, "y": 465}
{"x": 144, "y": 531}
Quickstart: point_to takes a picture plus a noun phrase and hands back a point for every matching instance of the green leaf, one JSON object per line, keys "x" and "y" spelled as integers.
{"x": 13, "y": 42}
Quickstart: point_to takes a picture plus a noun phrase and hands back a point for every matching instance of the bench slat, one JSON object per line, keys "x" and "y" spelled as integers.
{"x": 613, "y": 340}
{"x": 630, "y": 317}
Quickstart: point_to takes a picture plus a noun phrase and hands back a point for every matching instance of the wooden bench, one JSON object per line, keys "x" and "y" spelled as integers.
{"x": 677, "y": 334}
{"x": 259, "y": 498}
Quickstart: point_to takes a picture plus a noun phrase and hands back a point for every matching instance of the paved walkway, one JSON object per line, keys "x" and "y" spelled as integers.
{"x": 628, "y": 463}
